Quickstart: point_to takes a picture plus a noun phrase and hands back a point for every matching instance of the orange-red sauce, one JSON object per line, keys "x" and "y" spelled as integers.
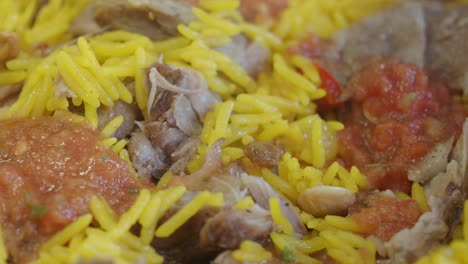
{"x": 383, "y": 216}
{"x": 50, "y": 167}
{"x": 397, "y": 117}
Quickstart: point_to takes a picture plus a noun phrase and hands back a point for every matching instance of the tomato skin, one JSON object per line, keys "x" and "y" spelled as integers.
{"x": 334, "y": 91}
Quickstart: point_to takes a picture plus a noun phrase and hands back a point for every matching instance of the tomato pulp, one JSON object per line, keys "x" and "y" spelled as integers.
{"x": 50, "y": 167}
{"x": 397, "y": 117}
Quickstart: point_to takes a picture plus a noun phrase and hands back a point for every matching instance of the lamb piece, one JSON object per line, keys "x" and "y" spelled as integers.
{"x": 445, "y": 194}
{"x": 184, "y": 246}
{"x": 164, "y": 136}
{"x": 398, "y": 32}
{"x": 175, "y": 81}
{"x": 177, "y": 102}
{"x": 248, "y": 54}
{"x": 213, "y": 230}
{"x": 146, "y": 159}
{"x": 446, "y": 51}
{"x": 130, "y": 112}
{"x": 157, "y": 19}
{"x": 228, "y": 228}
{"x": 183, "y": 155}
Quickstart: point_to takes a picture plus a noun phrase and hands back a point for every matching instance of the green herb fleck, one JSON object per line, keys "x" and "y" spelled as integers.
{"x": 27, "y": 197}
{"x": 105, "y": 158}
{"x": 133, "y": 190}
{"x": 288, "y": 255}
{"x": 38, "y": 211}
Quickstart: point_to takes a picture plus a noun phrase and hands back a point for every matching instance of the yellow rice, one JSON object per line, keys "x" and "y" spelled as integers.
{"x": 250, "y": 251}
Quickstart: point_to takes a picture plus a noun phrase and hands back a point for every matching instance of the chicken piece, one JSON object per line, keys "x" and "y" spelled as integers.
{"x": 398, "y": 32}
{"x": 447, "y": 37}
{"x": 157, "y": 19}
{"x": 146, "y": 159}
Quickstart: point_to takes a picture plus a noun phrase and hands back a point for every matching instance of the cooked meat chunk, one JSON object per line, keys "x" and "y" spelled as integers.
{"x": 447, "y": 48}
{"x": 164, "y": 136}
{"x": 261, "y": 191}
{"x": 146, "y": 159}
{"x": 130, "y": 113}
{"x": 213, "y": 230}
{"x": 9, "y": 46}
{"x": 248, "y": 54}
{"x": 157, "y": 19}
{"x": 178, "y": 101}
{"x": 230, "y": 227}
{"x": 184, "y": 246}
{"x": 431, "y": 164}
{"x": 445, "y": 194}
{"x": 173, "y": 120}
{"x": 445, "y": 199}
{"x": 7, "y": 91}
{"x": 398, "y": 32}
